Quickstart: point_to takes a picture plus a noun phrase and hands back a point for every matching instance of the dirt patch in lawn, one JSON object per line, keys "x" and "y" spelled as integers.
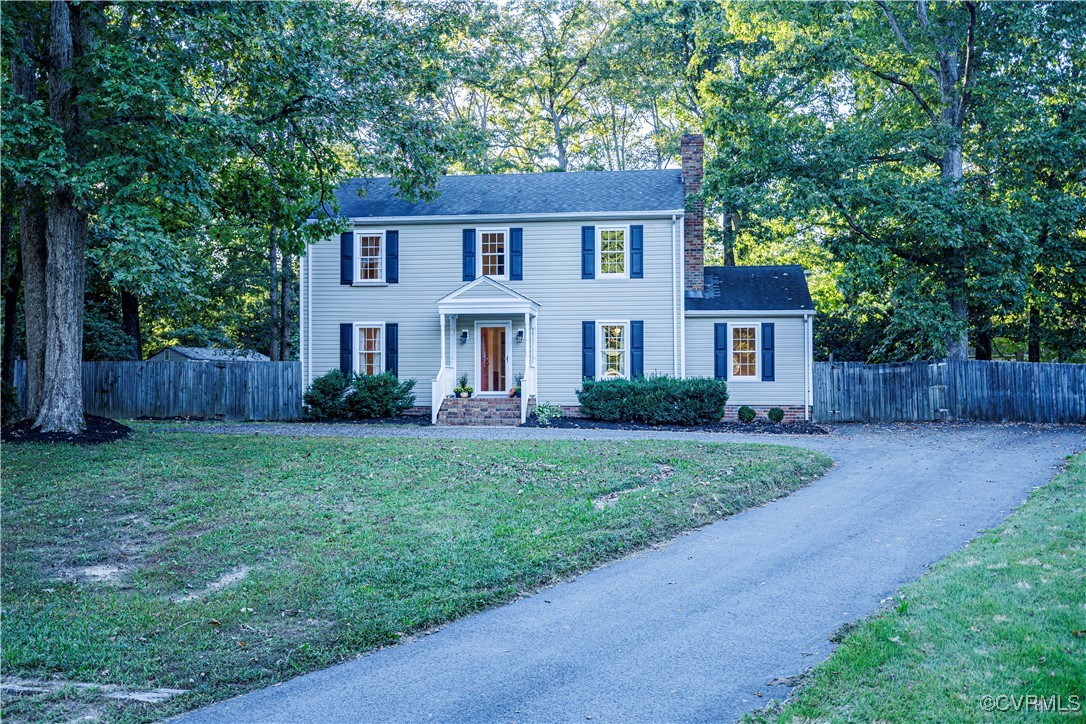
{"x": 224, "y": 581}
{"x": 663, "y": 472}
{"x": 99, "y": 430}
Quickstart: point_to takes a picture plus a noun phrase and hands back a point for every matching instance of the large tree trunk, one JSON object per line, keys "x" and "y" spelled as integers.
{"x": 728, "y": 222}
{"x": 32, "y": 251}
{"x": 61, "y": 405}
{"x": 273, "y": 297}
{"x": 130, "y": 322}
{"x": 62, "y": 393}
{"x": 286, "y": 286}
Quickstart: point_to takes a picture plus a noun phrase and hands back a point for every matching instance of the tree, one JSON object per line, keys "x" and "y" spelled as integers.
{"x": 118, "y": 118}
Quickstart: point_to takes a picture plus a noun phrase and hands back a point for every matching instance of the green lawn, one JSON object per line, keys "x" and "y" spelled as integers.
{"x": 338, "y": 545}
{"x": 999, "y": 621}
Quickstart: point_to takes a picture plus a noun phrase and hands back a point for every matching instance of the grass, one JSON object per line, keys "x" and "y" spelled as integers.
{"x": 999, "y": 621}
{"x": 340, "y": 546}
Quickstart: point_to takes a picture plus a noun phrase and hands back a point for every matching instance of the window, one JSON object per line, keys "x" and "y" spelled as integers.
{"x": 371, "y": 348}
{"x": 613, "y": 350}
{"x": 370, "y": 257}
{"x": 492, "y": 254}
{"x": 613, "y": 252}
{"x": 744, "y": 352}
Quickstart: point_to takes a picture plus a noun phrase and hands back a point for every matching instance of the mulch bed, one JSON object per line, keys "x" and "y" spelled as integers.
{"x": 420, "y": 420}
{"x": 99, "y": 430}
{"x": 759, "y": 427}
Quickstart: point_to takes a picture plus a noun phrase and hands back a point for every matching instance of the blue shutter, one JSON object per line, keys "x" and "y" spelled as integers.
{"x": 767, "y": 352}
{"x": 392, "y": 348}
{"x": 588, "y": 350}
{"x": 346, "y": 349}
{"x": 469, "y": 254}
{"x": 516, "y": 254}
{"x": 588, "y": 252}
{"x": 346, "y": 257}
{"x": 720, "y": 351}
{"x": 637, "y": 349}
{"x": 392, "y": 257}
{"x": 637, "y": 252}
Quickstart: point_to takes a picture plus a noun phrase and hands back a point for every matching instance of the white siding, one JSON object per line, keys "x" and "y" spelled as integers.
{"x": 431, "y": 267}
{"x": 788, "y": 387}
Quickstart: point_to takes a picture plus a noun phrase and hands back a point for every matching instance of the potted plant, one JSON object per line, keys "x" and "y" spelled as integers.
{"x": 463, "y": 389}
{"x": 514, "y": 391}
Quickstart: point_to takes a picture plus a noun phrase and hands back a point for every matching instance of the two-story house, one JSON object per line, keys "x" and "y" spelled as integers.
{"x": 549, "y": 279}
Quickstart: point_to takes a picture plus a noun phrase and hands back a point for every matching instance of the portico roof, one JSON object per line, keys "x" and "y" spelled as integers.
{"x": 486, "y": 296}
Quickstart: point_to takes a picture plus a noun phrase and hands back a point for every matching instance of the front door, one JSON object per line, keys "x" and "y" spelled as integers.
{"x": 493, "y": 359}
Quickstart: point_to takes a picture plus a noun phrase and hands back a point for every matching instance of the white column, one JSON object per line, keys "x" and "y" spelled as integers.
{"x": 455, "y": 341}
{"x": 527, "y": 349}
{"x": 442, "y": 341}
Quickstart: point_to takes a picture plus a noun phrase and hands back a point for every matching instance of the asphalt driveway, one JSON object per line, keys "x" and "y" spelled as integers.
{"x": 696, "y": 630}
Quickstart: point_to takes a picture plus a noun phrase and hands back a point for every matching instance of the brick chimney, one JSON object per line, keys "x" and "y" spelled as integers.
{"x": 693, "y": 150}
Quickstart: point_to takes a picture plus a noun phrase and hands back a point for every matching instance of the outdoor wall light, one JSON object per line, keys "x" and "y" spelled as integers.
{"x": 520, "y": 336}
{"x": 464, "y": 337}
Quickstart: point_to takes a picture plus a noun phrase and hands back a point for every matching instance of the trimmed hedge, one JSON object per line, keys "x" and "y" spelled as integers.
{"x": 655, "y": 400}
{"x": 746, "y": 414}
{"x": 776, "y": 414}
{"x": 335, "y": 396}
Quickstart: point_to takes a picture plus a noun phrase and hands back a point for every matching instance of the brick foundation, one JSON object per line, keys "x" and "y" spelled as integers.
{"x": 792, "y": 413}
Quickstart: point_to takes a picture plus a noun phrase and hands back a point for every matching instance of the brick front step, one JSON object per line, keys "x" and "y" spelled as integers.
{"x": 480, "y": 411}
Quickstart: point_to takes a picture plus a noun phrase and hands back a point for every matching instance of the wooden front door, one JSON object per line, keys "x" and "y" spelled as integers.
{"x": 493, "y": 359}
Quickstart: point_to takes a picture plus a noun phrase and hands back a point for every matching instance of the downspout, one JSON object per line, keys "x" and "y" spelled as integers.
{"x": 675, "y": 312}
{"x": 309, "y": 313}
{"x": 302, "y": 355}
{"x": 808, "y": 358}
{"x": 682, "y": 306}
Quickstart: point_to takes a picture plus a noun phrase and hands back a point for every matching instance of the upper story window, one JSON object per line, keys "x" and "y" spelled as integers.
{"x": 744, "y": 352}
{"x": 614, "y": 251}
{"x": 614, "y": 350}
{"x": 369, "y": 256}
{"x": 493, "y": 253}
{"x": 370, "y": 346}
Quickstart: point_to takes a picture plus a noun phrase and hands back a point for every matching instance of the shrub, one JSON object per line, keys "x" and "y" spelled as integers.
{"x": 382, "y": 395}
{"x": 547, "y": 412}
{"x": 325, "y": 396}
{"x": 747, "y": 414}
{"x": 335, "y": 396}
{"x": 656, "y": 400}
{"x": 776, "y": 414}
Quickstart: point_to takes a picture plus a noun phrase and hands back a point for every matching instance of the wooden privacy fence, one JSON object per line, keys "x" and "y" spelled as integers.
{"x": 215, "y": 390}
{"x": 949, "y": 390}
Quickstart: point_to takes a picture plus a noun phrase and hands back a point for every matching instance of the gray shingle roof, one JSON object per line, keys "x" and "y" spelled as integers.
{"x": 517, "y": 194}
{"x": 218, "y": 354}
{"x": 738, "y": 288}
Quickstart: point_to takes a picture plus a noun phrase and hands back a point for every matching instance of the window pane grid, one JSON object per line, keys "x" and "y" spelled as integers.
{"x": 369, "y": 257}
{"x": 492, "y": 253}
{"x": 614, "y": 350}
{"x": 369, "y": 350}
{"x": 612, "y": 251}
{"x": 744, "y": 352}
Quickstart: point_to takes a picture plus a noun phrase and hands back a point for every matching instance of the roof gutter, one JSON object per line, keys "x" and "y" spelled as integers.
{"x": 750, "y": 312}
{"x": 550, "y": 216}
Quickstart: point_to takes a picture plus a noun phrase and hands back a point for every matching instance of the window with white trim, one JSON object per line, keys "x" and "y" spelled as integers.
{"x": 369, "y": 256}
{"x": 614, "y": 251}
{"x": 493, "y": 253}
{"x": 614, "y": 350}
{"x": 744, "y": 355}
{"x": 370, "y": 346}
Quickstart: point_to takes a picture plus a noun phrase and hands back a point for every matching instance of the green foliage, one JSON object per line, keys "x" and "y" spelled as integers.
{"x": 103, "y": 337}
{"x": 325, "y": 396}
{"x": 776, "y": 414}
{"x": 746, "y": 414}
{"x": 11, "y": 411}
{"x": 335, "y": 396}
{"x": 655, "y": 400}
{"x": 546, "y": 413}
{"x": 382, "y": 395}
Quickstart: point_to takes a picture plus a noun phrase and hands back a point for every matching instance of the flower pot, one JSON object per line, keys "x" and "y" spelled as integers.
{"x": 465, "y": 394}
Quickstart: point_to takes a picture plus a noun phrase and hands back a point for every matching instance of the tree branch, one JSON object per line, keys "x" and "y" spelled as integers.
{"x": 894, "y": 25}
{"x": 906, "y": 85}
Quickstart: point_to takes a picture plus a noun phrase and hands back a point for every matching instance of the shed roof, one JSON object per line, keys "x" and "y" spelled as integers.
{"x": 218, "y": 354}
{"x": 753, "y": 288}
{"x": 520, "y": 194}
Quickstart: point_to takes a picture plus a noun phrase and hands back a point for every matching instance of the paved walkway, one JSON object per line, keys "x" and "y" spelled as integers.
{"x": 694, "y": 630}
